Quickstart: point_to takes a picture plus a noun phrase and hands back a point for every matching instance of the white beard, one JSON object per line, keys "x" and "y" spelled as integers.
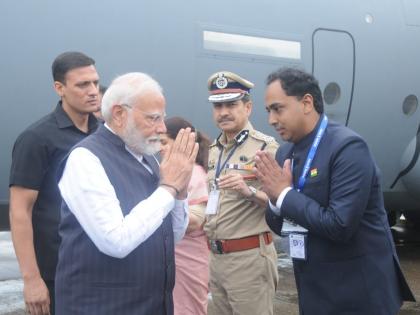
{"x": 134, "y": 139}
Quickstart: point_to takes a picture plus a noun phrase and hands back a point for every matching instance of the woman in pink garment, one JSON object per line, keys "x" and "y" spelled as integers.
{"x": 191, "y": 253}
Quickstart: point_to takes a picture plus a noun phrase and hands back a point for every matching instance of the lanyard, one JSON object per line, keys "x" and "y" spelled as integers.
{"x": 240, "y": 138}
{"x": 219, "y": 167}
{"x": 312, "y": 152}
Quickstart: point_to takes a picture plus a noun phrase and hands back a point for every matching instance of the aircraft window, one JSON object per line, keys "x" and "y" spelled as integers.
{"x": 332, "y": 93}
{"x": 244, "y": 44}
{"x": 369, "y": 18}
{"x": 410, "y": 105}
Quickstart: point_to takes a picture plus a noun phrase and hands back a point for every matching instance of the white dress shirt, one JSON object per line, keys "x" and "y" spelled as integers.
{"x": 90, "y": 196}
{"x": 277, "y": 208}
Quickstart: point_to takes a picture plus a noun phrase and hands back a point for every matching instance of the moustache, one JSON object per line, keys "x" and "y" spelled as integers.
{"x": 224, "y": 120}
{"x": 153, "y": 139}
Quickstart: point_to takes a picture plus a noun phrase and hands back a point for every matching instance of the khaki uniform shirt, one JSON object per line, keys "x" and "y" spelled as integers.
{"x": 236, "y": 216}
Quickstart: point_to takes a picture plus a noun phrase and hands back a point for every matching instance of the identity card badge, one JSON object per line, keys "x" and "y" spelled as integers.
{"x": 297, "y": 246}
{"x": 213, "y": 201}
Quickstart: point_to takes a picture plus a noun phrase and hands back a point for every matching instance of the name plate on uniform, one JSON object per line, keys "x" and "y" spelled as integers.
{"x": 297, "y": 243}
{"x": 213, "y": 202}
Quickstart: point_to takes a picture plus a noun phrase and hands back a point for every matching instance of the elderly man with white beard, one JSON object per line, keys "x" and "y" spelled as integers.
{"x": 122, "y": 211}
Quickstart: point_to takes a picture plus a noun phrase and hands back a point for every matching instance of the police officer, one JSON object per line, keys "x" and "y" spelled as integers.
{"x": 243, "y": 268}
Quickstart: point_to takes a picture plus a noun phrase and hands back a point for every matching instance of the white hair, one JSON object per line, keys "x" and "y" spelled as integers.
{"x": 125, "y": 89}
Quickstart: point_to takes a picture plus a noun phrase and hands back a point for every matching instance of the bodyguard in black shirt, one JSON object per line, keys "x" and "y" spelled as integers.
{"x": 34, "y": 196}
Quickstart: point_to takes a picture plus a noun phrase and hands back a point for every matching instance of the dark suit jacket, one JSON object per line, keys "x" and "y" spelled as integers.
{"x": 351, "y": 266}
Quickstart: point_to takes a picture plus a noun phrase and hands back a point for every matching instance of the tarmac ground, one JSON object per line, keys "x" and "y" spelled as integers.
{"x": 407, "y": 240}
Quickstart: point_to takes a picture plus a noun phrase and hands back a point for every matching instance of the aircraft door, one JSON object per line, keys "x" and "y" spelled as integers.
{"x": 248, "y": 52}
{"x": 333, "y": 64}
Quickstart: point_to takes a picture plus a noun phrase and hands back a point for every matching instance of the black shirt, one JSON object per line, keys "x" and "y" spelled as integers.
{"x": 36, "y": 155}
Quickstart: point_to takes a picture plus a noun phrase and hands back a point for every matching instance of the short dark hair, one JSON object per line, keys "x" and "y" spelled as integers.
{"x": 246, "y": 98}
{"x": 174, "y": 124}
{"x": 68, "y": 61}
{"x": 297, "y": 83}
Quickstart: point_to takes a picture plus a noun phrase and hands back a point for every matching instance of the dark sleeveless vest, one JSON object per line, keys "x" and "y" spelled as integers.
{"x": 90, "y": 282}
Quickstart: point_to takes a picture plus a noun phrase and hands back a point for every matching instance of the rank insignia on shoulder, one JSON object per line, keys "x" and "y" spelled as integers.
{"x": 314, "y": 172}
{"x": 242, "y": 136}
{"x": 261, "y": 136}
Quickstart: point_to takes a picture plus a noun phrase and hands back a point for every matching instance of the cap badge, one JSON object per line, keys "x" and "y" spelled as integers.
{"x": 221, "y": 81}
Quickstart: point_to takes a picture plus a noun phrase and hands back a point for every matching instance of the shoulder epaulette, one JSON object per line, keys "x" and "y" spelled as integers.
{"x": 214, "y": 143}
{"x": 261, "y": 136}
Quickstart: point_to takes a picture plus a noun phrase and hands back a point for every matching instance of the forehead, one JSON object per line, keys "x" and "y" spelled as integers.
{"x": 274, "y": 89}
{"x": 87, "y": 73}
{"x": 227, "y": 104}
{"x": 151, "y": 101}
{"x": 274, "y": 94}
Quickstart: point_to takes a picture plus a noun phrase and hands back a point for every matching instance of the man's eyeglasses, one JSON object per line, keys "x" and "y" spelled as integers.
{"x": 152, "y": 118}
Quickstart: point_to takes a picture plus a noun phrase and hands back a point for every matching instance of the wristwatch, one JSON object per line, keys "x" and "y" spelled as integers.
{"x": 253, "y": 192}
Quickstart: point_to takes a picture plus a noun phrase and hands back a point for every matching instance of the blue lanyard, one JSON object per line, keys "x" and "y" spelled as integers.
{"x": 220, "y": 166}
{"x": 312, "y": 152}
{"x": 240, "y": 138}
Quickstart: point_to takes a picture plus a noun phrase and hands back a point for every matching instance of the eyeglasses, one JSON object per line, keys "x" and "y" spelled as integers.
{"x": 152, "y": 118}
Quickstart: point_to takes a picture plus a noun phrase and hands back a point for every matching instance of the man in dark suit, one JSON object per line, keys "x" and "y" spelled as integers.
{"x": 326, "y": 182}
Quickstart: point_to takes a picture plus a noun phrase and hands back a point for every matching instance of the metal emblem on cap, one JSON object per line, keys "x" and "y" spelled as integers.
{"x": 221, "y": 81}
